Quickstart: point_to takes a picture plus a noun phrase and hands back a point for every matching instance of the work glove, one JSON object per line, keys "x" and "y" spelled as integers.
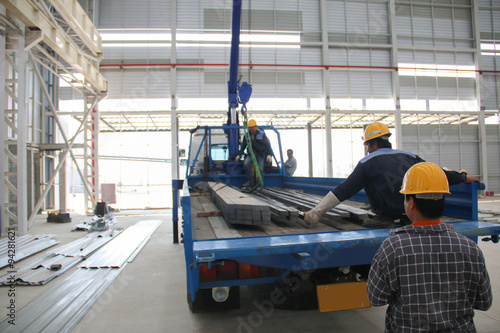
{"x": 327, "y": 203}
{"x": 269, "y": 159}
{"x": 237, "y": 158}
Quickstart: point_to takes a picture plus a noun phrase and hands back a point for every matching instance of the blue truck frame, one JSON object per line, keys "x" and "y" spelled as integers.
{"x": 306, "y": 251}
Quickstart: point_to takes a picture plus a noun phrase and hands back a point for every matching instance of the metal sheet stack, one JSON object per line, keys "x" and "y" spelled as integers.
{"x": 238, "y": 207}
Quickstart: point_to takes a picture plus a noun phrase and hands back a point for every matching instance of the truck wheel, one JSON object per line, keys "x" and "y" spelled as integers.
{"x": 304, "y": 298}
{"x": 204, "y": 301}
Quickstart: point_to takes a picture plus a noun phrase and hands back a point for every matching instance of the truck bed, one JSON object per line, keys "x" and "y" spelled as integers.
{"x": 216, "y": 227}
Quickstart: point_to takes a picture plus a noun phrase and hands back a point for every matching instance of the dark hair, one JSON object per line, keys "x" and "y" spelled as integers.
{"x": 429, "y": 208}
{"x": 381, "y": 143}
{"x": 290, "y": 150}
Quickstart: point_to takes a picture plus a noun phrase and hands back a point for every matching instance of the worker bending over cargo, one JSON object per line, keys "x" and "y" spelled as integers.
{"x": 261, "y": 148}
{"x": 380, "y": 173}
{"x": 431, "y": 276}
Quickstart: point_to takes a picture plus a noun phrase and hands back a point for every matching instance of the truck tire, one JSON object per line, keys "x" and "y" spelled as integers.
{"x": 204, "y": 301}
{"x": 303, "y": 299}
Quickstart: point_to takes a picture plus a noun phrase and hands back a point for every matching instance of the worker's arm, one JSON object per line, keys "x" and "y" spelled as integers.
{"x": 378, "y": 285}
{"x": 343, "y": 191}
{"x": 484, "y": 298}
{"x": 352, "y": 185}
{"x": 243, "y": 146}
{"x": 455, "y": 178}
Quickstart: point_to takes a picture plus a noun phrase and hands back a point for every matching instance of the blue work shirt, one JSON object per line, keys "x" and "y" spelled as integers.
{"x": 381, "y": 175}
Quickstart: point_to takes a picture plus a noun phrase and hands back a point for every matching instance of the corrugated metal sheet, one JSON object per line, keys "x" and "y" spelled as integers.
{"x": 61, "y": 307}
{"x": 134, "y": 14}
{"x": 116, "y": 253}
{"x": 25, "y": 246}
{"x": 37, "y": 272}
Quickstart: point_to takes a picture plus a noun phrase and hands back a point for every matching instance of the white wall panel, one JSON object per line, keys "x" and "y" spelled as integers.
{"x": 445, "y": 58}
{"x": 467, "y": 89}
{"x": 361, "y": 84}
{"x": 462, "y": 23}
{"x": 113, "y": 55}
{"x": 426, "y": 88}
{"x": 378, "y": 18}
{"x": 382, "y": 85}
{"x": 422, "y": 21}
{"x": 403, "y": 20}
{"x": 138, "y": 83}
{"x": 359, "y": 57}
{"x": 310, "y": 15}
{"x": 441, "y": 144}
{"x": 189, "y": 82}
{"x": 310, "y": 56}
{"x": 134, "y": 14}
{"x": 339, "y": 84}
{"x": 338, "y": 57}
{"x": 443, "y": 26}
{"x": 407, "y": 87}
{"x": 336, "y": 16}
{"x": 356, "y": 17}
{"x": 313, "y": 87}
{"x": 447, "y": 88}
{"x": 381, "y": 58}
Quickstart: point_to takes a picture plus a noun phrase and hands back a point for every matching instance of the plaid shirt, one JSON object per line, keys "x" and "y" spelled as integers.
{"x": 431, "y": 277}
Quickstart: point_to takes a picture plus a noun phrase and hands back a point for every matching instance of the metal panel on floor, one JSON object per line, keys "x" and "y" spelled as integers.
{"x": 61, "y": 307}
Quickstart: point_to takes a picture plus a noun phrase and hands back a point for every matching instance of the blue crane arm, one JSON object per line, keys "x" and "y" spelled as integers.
{"x": 234, "y": 61}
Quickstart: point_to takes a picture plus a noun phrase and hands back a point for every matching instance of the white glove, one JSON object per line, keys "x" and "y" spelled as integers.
{"x": 237, "y": 158}
{"x": 327, "y": 203}
{"x": 269, "y": 159}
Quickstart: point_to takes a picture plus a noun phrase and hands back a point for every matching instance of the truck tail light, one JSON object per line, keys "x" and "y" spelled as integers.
{"x": 227, "y": 270}
{"x": 208, "y": 274}
{"x": 247, "y": 271}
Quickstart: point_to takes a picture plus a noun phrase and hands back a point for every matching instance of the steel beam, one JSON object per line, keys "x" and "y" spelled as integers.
{"x": 29, "y": 14}
{"x": 81, "y": 24}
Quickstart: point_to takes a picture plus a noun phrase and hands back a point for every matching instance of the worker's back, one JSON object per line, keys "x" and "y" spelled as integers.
{"x": 380, "y": 174}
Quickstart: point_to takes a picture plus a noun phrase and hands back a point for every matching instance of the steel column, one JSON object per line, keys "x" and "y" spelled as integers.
{"x": 395, "y": 76}
{"x": 3, "y": 125}
{"x": 91, "y": 154}
{"x": 326, "y": 87}
{"x": 173, "y": 93}
{"x": 15, "y": 128}
{"x": 483, "y": 149}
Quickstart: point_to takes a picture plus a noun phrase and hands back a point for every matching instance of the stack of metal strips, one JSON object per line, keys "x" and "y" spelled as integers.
{"x": 306, "y": 202}
{"x": 61, "y": 307}
{"x": 239, "y": 208}
{"x": 24, "y": 247}
{"x": 54, "y": 263}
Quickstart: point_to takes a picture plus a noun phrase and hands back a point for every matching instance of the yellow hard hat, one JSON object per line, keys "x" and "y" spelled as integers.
{"x": 252, "y": 123}
{"x": 425, "y": 177}
{"x": 376, "y": 130}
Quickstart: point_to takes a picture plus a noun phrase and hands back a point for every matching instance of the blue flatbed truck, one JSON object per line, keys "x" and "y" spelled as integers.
{"x": 295, "y": 267}
{"x": 291, "y": 266}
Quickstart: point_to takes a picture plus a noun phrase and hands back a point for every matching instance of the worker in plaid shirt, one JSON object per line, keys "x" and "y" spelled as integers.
{"x": 432, "y": 277}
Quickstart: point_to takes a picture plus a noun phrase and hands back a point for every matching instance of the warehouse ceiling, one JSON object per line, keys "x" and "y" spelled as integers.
{"x": 151, "y": 121}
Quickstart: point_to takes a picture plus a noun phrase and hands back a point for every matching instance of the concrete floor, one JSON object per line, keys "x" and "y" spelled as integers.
{"x": 150, "y": 293}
